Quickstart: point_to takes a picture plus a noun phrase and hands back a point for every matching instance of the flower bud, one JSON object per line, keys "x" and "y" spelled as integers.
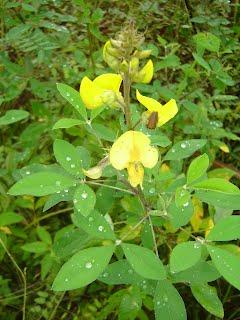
{"x": 134, "y": 63}
{"x": 124, "y": 66}
{"x": 93, "y": 173}
{"x": 144, "y": 54}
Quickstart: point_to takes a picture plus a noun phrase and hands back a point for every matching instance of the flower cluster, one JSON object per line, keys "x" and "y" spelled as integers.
{"x": 132, "y": 150}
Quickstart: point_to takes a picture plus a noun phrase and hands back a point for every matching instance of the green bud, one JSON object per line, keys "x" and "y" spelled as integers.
{"x": 144, "y": 54}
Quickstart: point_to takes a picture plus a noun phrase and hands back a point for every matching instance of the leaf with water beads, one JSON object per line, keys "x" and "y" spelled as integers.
{"x": 185, "y": 255}
{"x": 82, "y": 268}
{"x": 144, "y": 261}
{"x": 184, "y": 149}
{"x": 227, "y": 263}
{"x": 168, "y": 304}
{"x": 73, "y": 97}
{"x": 67, "y": 156}
{"x": 84, "y": 199}
{"x": 42, "y": 184}
{"x": 95, "y": 225}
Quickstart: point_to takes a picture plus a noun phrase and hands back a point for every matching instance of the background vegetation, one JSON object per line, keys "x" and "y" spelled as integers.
{"x": 44, "y": 42}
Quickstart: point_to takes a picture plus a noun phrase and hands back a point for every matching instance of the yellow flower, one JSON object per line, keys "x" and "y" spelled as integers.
{"x": 104, "y": 89}
{"x": 145, "y": 74}
{"x": 165, "y": 112}
{"x": 132, "y": 151}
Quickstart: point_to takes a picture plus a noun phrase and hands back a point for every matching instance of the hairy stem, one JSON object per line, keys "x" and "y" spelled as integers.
{"x": 126, "y": 96}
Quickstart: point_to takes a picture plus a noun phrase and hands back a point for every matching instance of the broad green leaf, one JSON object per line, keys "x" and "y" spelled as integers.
{"x": 95, "y": 225}
{"x": 207, "y": 40}
{"x": 83, "y": 268}
{"x": 67, "y": 123}
{"x": 12, "y": 116}
{"x": 120, "y": 272}
{"x": 227, "y": 263}
{"x": 64, "y": 195}
{"x": 185, "y": 255}
{"x": 180, "y": 216}
{"x": 201, "y": 272}
{"x": 226, "y": 229}
{"x": 144, "y": 261}
{"x": 203, "y": 63}
{"x": 208, "y": 298}
{"x": 7, "y": 218}
{"x": 184, "y": 149}
{"x": 103, "y": 132}
{"x": 69, "y": 242}
{"x": 84, "y": 199}
{"x": 218, "y": 192}
{"x": 41, "y": 184}
{"x": 168, "y": 304}
{"x": 170, "y": 61}
{"x": 67, "y": 156}
{"x": 35, "y": 247}
{"x": 197, "y": 168}
{"x": 217, "y": 184}
{"x": 73, "y": 97}
{"x": 182, "y": 196}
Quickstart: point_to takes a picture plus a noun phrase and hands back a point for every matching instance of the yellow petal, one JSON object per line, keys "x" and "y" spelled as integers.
{"x": 108, "y": 81}
{"x": 127, "y": 148}
{"x": 90, "y": 94}
{"x": 167, "y": 112}
{"x": 120, "y": 152}
{"x": 146, "y": 73}
{"x": 93, "y": 173}
{"x": 150, "y": 103}
{"x": 135, "y": 174}
{"x": 149, "y": 157}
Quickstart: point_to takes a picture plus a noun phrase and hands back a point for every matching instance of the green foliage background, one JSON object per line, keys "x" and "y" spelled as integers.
{"x": 195, "y": 50}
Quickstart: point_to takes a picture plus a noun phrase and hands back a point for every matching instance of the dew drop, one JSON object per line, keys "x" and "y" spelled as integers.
{"x": 100, "y": 228}
{"x": 68, "y": 158}
{"x": 88, "y": 265}
{"x": 27, "y": 172}
{"x": 84, "y": 195}
{"x": 72, "y": 165}
{"x": 183, "y": 145}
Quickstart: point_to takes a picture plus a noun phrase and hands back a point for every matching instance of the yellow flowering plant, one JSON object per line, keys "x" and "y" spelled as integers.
{"x": 131, "y": 191}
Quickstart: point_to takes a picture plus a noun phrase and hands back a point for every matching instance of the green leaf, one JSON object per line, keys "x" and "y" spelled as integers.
{"x": 104, "y": 132}
{"x": 170, "y": 61}
{"x": 130, "y": 305}
{"x": 207, "y": 40}
{"x": 119, "y": 272}
{"x": 46, "y": 265}
{"x": 226, "y": 229}
{"x": 7, "y": 218}
{"x": 41, "y": 184}
{"x": 208, "y": 298}
{"x": 203, "y": 63}
{"x": 185, "y": 255}
{"x": 201, "y": 272}
{"x": 197, "y": 168}
{"x": 73, "y": 97}
{"x": 84, "y": 199}
{"x": 227, "y": 263}
{"x": 35, "y": 247}
{"x": 182, "y": 196}
{"x": 184, "y": 149}
{"x": 95, "y": 225}
{"x": 67, "y": 123}
{"x": 12, "y": 116}
{"x": 144, "y": 262}
{"x": 217, "y": 184}
{"x": 67, "y": 156}
{"x": 82, "y": 268}
{"x": 44, "y": 235}
{"x": 180, "y": 216}
{"x": 168, "y": 303}
{"x": 218, "y": 192}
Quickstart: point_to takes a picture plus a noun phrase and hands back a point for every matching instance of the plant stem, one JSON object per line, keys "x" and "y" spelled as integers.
{"x": 23, "y": 277}
{"x": 126, "y": 96}
{"x": 56, "y": 307}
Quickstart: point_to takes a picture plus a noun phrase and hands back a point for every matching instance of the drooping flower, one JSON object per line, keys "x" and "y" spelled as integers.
{"x": 132, "y": 151}
{"x": 164, "y": 112}
{"x": 145, "y": 74}
{"x": 104, "y": 89}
